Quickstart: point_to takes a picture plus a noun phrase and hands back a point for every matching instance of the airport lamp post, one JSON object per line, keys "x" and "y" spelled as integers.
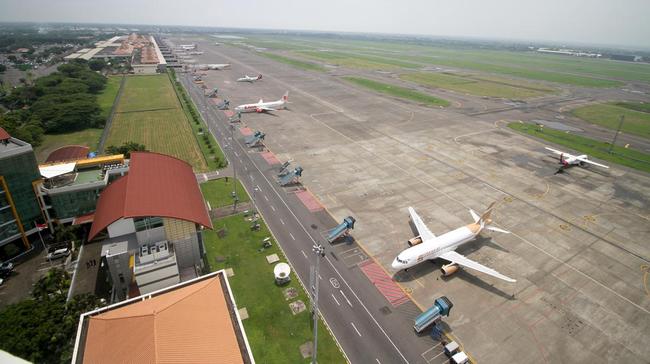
{"x": 319, "y": 252}
{"x": 234, "y": 168}
{"x": 618, "y": 130}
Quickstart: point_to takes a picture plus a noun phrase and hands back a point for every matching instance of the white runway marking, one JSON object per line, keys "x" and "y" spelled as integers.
{"x": 335, "y": 300}
{"x": 272, "y": 208}
{"x": 304, "y": 254}
{"x": 282, "y": 221}
{"x": 346, "y": 298}
{"x": 291, "y": 235}
{"x": 355, "y": 328}
{"x": 266, "y": 198}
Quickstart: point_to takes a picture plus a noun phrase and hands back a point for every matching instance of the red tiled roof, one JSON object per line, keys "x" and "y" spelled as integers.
{"x": 68, "y": 153}
{"x": 191, "y": 324}
{"x": 4, "y": 135}
{"x": 157, "y": 185}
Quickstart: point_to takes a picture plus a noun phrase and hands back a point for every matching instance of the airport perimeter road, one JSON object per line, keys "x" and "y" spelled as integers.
{"x": 367, "y": 327}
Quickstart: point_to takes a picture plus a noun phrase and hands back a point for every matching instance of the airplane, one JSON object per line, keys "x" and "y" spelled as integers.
{"x": 187, "y": 47}
{"x": 195, "y": 53}
{"x": 214, "y": 66}
{"x": 569, "y": 160}
{"x": 250, "y": 79}
{"x": 427, "y": 246}
{"x": 262, "y": 106}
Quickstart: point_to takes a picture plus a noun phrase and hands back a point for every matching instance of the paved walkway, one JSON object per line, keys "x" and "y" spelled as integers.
{"x": 209, "y": 176}
{"x": 228, "y": 210}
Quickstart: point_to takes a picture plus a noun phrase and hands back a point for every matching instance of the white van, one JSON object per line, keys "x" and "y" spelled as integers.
{"x": 59, "y": 253}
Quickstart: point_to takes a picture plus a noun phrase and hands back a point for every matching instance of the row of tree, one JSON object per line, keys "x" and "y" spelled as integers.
{"x": 63, "y": 101}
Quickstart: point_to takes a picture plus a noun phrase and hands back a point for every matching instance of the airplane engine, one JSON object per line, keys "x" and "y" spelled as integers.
{"x": 449, "y": 269}
{"x": 258, "y": 110}
{"x": 415, "y": 241}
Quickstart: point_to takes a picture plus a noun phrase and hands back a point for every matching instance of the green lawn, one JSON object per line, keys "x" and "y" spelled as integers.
{"x": 274, "y": 333}
{"x": 398, "y": 91}
{"x": 308, "y": 66}
{"x": 479, "y": 85}
{"x": 150, "y": 92}
{"x": 638, "y": 106}
{"x": 218, "y": 192}
{"x": 149, "y": 113}
{"x": 608, "y": 115}
{"x": 51, "y": 142}
{"x": 358, "y": 60}
{"x": 593, "y": 148}
{"x": 108, "y": 94}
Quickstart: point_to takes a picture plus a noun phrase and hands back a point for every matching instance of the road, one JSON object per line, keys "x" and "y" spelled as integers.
{"x": 366, "y": 326}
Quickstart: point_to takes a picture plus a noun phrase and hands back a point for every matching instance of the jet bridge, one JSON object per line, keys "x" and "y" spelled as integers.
{"x": 255, "y": 139}
{"x": 284, "y": 169}
{"x": 291, "y": 177}
{"x": 342, "y": 229}
{"x": 213, "y": 92}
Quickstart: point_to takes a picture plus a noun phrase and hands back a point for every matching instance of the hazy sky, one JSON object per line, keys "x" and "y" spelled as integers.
{"x": 614, "y": 22}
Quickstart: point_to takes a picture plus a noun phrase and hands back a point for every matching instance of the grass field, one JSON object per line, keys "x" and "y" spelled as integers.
{"x": 397, "y": 91}
{"x": 358, "y": 61}
{"x": 294, "y": 62}
{"x": 593, "y": 148}
{"x": 608, "y": 115}
{"x": 274, "y": 333}
{"x": 479, "y": 85}
{"x": 149, "y": 113}
{"x": 638, "y": 106}
{"x": 218, "y": 192}
{"x": 87, "y": 137}
{"x": 108, "y": 94}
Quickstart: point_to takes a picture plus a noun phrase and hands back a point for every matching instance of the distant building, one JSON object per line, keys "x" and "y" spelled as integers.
{"x": 19, "y": 208}
{"x": 192, "y": 322}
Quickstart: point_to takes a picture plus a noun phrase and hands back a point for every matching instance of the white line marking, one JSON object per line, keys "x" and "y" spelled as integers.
{"x": 291, "y": 235}
{"x": 272, "y": 208}
{"x": 355, "y": 328}
{"x": 434, "y": 358}
{"x": 346, "y": 298}
{"x": 282, "y": 221}
{"x": 335, "y": 300}
{"x": 303, "y": 253}
{"x": 319, "y": 277}
{"x": 378, "y": 362}
{"x": 266, "y": 198}
{"x": 259, "y": 188}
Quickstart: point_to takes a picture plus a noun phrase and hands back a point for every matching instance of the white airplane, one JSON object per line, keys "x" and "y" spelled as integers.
{"x": 427, "y": 246}
{"x": 262, "y": 106}
{"x": 187, "y": 47}
{"x": 250, "y": 79}
{"x": 214, "y": 66}
{"x": 569, "y": 160}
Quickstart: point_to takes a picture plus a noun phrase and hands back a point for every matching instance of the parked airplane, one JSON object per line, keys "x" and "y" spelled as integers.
{"x": 188, "y": 47}
{"x": 262, "y": 106}
{"x": 214, "y": 66}
{"x": 427, "y": 246}
{"x": 569, "y": 160}
{"x": 250, "y": 79}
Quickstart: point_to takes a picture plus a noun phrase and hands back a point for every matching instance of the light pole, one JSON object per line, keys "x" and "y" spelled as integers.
{"x": 319, "y": 252}
{"x": 234, "y": 168}
{"x": 618, "y": 130}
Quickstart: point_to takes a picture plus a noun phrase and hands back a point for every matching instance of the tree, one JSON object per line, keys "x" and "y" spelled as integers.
{"x": 97, "y": 64}
{"x": 2, "y": 68}
{"x": 43, "y": 329}
{"x": 67, "y": 112}
{"x": 126, "y": 149}
{"x": 22, "y": 125}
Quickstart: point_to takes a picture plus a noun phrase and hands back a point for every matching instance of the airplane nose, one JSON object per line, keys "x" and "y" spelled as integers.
{"x": 395, "y": 264}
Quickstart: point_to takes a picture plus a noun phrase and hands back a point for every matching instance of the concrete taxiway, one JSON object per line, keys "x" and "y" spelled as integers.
{"x": 578, "y": 246}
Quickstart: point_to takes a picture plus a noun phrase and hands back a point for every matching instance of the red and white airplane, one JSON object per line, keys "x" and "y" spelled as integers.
{"x": 262, "y": 106}
{"x": 569, "y": 160}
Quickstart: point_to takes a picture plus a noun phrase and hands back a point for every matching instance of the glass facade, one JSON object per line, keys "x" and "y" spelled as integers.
{"x": 73, "y": 203}
{"x": 147, "y": 223}
{"x": 19, "y": 171}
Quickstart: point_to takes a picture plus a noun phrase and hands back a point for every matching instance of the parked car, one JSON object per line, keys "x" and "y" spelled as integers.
{"x": 59, "y": 253}
{"x": 5, "y": 269}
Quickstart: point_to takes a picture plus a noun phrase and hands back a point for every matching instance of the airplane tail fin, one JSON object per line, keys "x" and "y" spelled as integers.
{"x": 259, "y": 77}
{"x": 285, "y": 97}
{"x": 486, "y": 221}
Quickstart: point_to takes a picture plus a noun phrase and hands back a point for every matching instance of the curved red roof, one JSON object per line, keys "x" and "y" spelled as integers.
{"x": 4, "y": 135}
{"x": 157, "y": 185}
{"x": 68, "y": 153}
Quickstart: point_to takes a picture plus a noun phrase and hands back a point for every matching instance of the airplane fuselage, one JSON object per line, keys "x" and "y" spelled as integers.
{"x": 260, "y": 106}
{"x": 433, "y": 248}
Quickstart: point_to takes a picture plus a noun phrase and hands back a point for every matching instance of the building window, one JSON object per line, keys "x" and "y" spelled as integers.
{"x": 147, "y": 223}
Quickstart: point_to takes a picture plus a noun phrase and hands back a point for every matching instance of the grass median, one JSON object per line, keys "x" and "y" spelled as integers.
{"x": 274, "y": 332}
{"x": 609, "y": 116}
{"x": 593, "y": 148}
{"x": 307, "y": 66}
{"x": 397, "y": 91}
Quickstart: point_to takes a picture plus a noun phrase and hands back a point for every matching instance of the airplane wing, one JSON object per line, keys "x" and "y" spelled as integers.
{"x": 423, "y": 230}
{"x": 466, "y": 262}
{"x": 591, "y": 162}
{"x": 266, "y": 108}
{"x": 555, "y": 151}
